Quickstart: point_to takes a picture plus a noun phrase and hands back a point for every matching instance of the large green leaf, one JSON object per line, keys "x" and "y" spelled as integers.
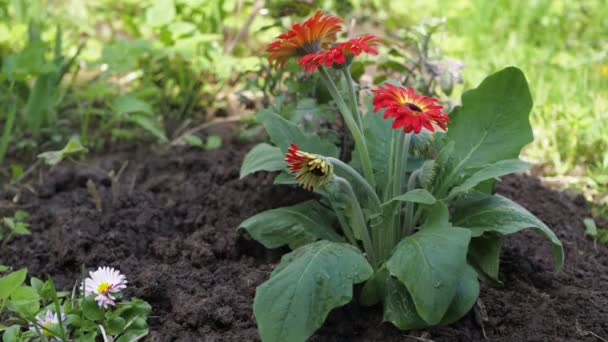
{"x": 263, "y": 157}
{"x": 492, "y": 124}
{"x": 482, "y": 213}
{"x": 378, "y": 135}
{"x": 500, "y": 168}
{"x": 294, "y": 226}
{"x": 430, "y": 264}
{"x": 25, "y": 300}
{"x": 399, "y": 307}
{"x": 11, "y": 282}
{"x": 421, "y": 196}
{"x": 283, "y": 133}
{"x": 484, "y": 255}
{"x": 307, "y": 284}
{"x": 466, "y": 296}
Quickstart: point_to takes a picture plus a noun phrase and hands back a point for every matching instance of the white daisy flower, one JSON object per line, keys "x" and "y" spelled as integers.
{"x": 105, "y": 282}
{"x": 46, "y": 322}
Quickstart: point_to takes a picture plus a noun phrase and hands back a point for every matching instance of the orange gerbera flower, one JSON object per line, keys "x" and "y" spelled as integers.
{"x": 410, "y": 110}
{"x": 312, "y": 36}
{"x": 312, "y": 171}
{"x": 339, "y": 53}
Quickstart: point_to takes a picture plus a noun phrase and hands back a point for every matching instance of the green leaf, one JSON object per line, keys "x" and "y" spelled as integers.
{"x": 25, "y": 300}
{"x": 590, "y": 227}
{"x": 500, "y": 168}
{"x": 213, "y": 142}
{"x": 73, "y": 147}
{"x": 21, "y": 228}
{"x": 11, "y": 282}
{"x": 90, "y": 309}
{"x": 263, "y": 157}
{"x": 466, "y": 296}
{"x": 399, "y": 307}
{"x": 162, "y": 12}
{"x": 3, "y": 268}
{"x": 302, "y": 290}
{"x": 114, "y": 325}
{"x": 11, "y": 334}
{"x": 378, "y": 135}
{"x": 421, "y": 196}
{"x": 482, "y": 213}
{"x": 151, "y": 125}
{"x": 430, "y": 264}
{"x": 295, "y": 226}
{"x": 484, "y": 255}
{"x": 194, "y": 140}
{"x": 492, "y": 124}
{"x": 133, "y": 335}
{"x": 129, "y": 104}
{"x": 283, "y": 133}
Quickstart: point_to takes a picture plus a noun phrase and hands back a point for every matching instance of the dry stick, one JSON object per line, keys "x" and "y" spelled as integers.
{"x": 259, "y": 4}
{"x": 94, "y": 194}
{"x": 179, "y": 140}
{"x": 115, "y": 178}
{"x": 582, "y": 332}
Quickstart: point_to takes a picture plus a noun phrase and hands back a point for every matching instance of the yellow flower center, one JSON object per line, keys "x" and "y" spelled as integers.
{"x": 103, "y": 287}
{"x": 45, "y": 329}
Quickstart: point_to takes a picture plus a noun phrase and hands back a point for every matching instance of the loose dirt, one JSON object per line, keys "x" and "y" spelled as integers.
{"x": 170, "y": 224}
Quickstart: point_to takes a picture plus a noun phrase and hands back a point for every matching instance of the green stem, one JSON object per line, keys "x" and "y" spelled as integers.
{"x": 8, "y": 125}
{"x": 350, "y": 122}
{"x": 360, "y": 182}
{"x": 359, "y": 220}
{"x": 391, "y": 165}
{"x": 409, "y": 224}
{"x": 352, "y": 97}
{"x": 345, "y": 227}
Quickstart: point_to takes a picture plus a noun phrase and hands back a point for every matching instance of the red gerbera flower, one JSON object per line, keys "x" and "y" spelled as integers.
{"x": 410, "y": 110}
{"x": 314, "y": 35}
{"x": 312, "y": 170}
{"x": 339, "y": 53}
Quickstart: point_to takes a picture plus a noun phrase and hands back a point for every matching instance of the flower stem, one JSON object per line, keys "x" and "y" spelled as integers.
{"x": 352, "y": 97}
{"x": 351, "y": 123}
{"x": 358, "y": 220}
{"x": 360, "y": 182}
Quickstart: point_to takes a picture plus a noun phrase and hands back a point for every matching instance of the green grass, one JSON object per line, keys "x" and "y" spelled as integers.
{"x": 563, "y": 48}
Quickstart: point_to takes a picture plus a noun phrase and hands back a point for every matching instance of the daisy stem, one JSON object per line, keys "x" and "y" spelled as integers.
{"x": 352, "y": 96}
{"x": 57, "y": 309}
{"x": 350, "y": 122}
{"x": 359, "y": 223}
{"x": 345, "y": 227}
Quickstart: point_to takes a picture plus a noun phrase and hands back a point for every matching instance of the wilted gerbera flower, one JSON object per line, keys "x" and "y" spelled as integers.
{"x": 410, "y": 110}
{"x": 105, "y": 283}
{"x": 313, "y": 36}
{"x": 339, "y": 53}
{"x": 46, "y": 322}
{"x": 312, "y": 171}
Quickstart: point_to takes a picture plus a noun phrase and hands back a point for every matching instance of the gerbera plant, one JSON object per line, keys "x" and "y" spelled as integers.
{"x": 412, "y": 217}
{"x": 96, "y": 312}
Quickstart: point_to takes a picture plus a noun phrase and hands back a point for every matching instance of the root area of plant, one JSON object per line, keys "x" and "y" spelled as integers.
{"x": 169, "y": 223}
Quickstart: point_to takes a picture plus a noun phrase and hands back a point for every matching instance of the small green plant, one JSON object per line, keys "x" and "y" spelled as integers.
{"x": 95, "y": 310}
{"x": 411, "y": 162}
{"x": 14, "y": 225}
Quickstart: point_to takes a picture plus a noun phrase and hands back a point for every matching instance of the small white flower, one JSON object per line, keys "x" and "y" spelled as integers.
{"x": 105, "y": 282}
{"x": 46, "y": 321}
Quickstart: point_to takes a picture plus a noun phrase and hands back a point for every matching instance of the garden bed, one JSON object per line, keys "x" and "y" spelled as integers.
{"x": 170, "y": 221}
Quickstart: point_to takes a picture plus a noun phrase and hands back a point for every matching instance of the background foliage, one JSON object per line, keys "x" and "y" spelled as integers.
{"x": 123, "y": 71}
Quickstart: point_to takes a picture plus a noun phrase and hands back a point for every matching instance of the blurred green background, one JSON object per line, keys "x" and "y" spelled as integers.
{"x": 111, "y": 72}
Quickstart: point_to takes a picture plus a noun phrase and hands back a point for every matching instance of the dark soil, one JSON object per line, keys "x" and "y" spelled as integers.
{"x": 170, "y": 226}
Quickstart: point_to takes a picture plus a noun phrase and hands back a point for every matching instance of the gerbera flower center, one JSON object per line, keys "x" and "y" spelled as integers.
{"x": 309, "y": 47}
{"x": 413, "y": 107}
{"x": 103, "y": 288}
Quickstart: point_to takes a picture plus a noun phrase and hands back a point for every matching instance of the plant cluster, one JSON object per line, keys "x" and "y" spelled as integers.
{"x": 93, "y": 310}
{"x": 412, "y": 215}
